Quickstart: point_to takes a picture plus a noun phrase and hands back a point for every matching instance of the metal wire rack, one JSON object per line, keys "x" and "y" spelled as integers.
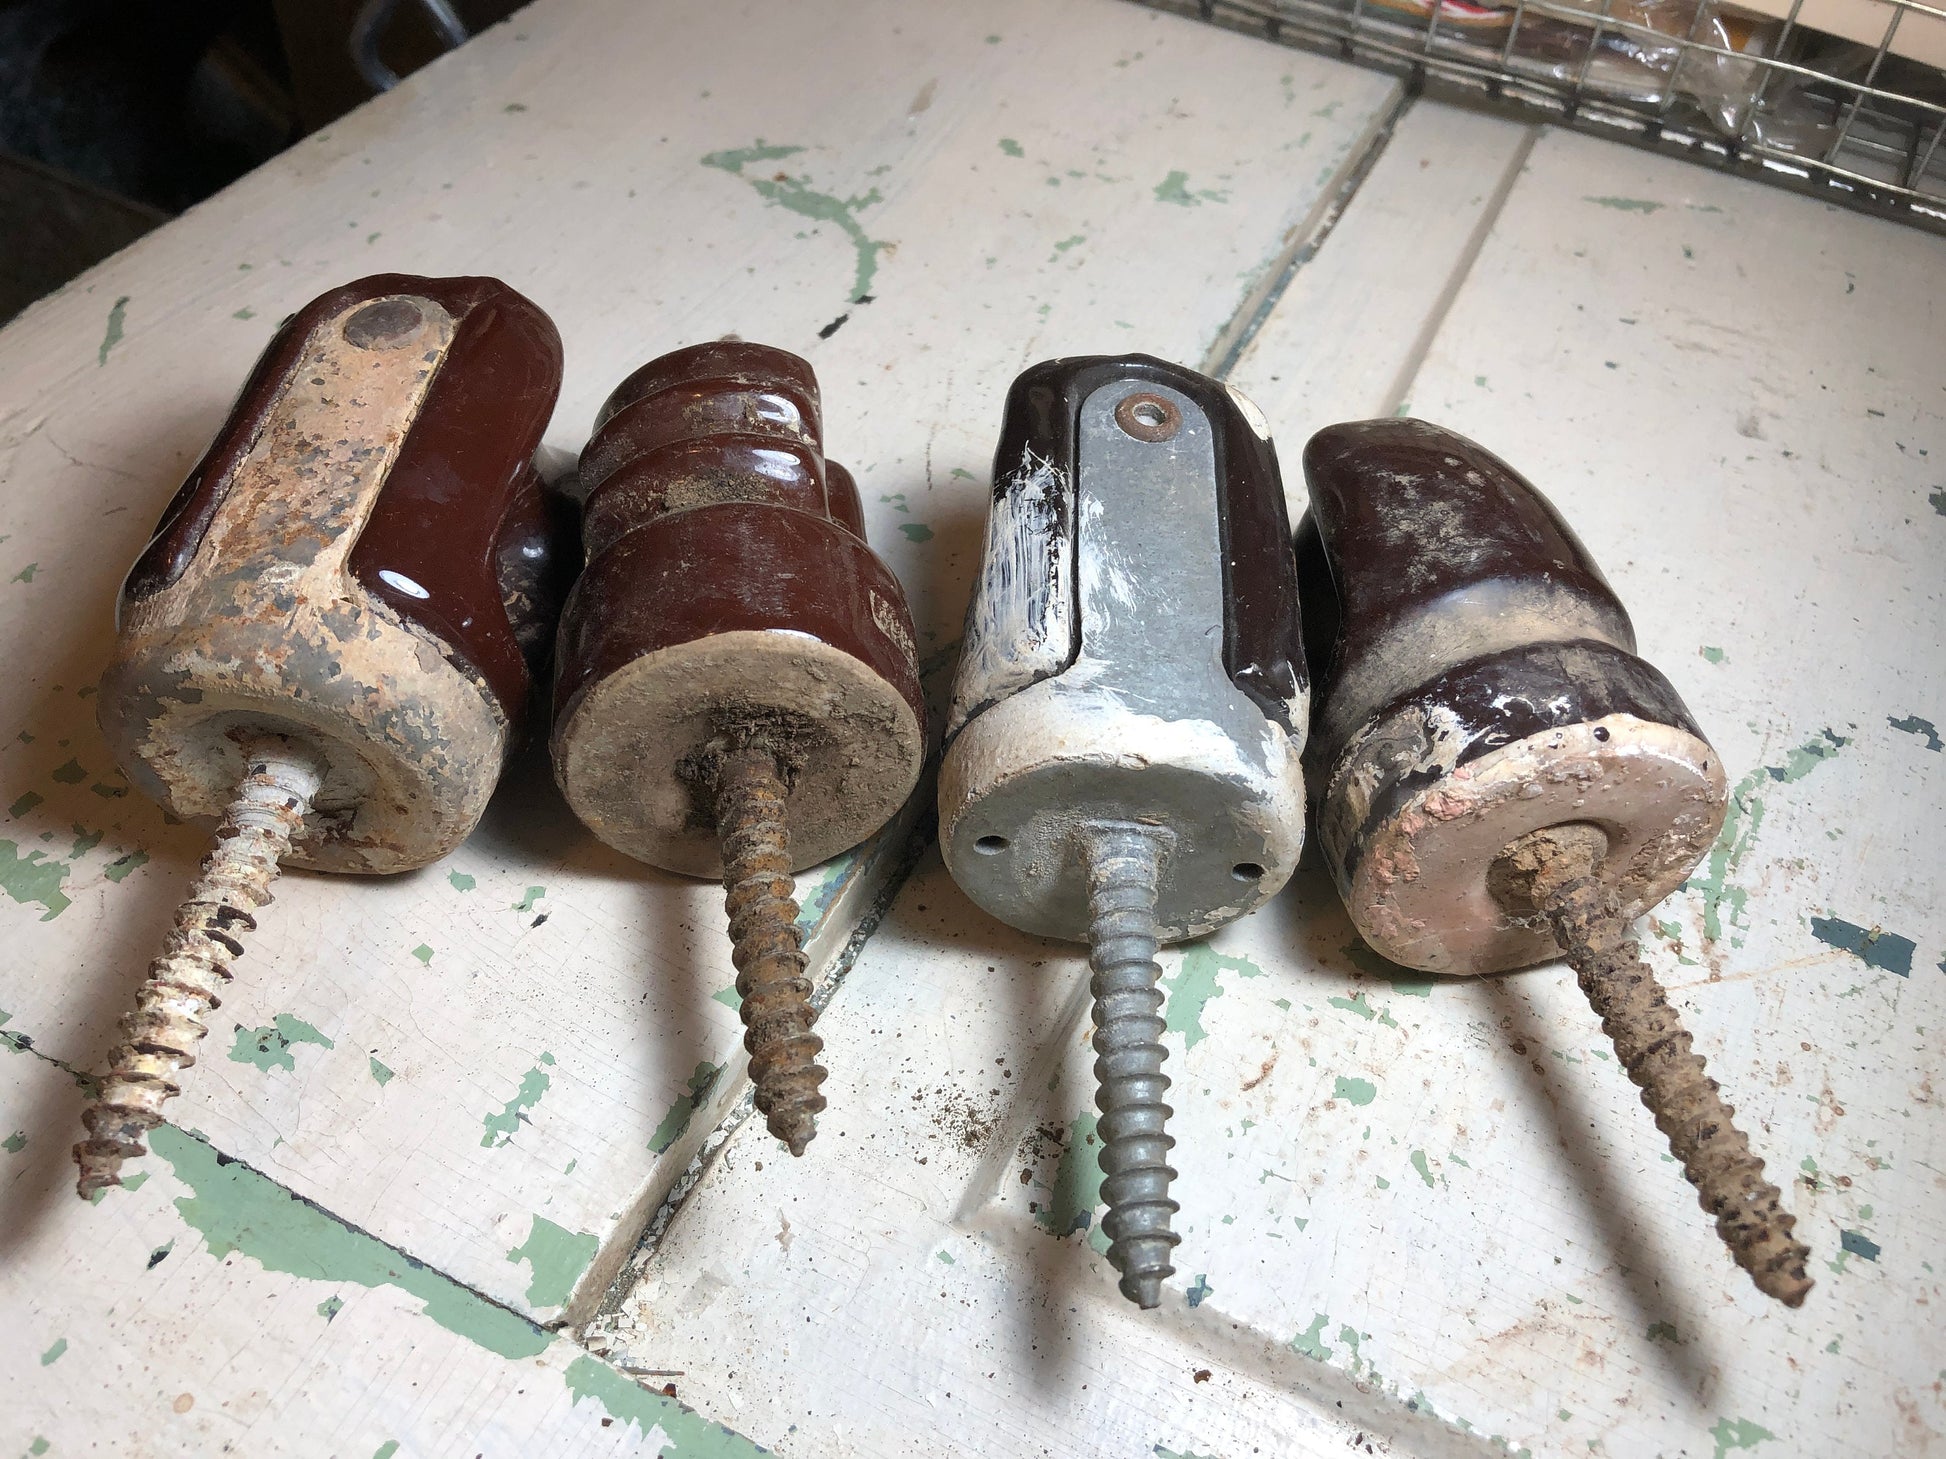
{"x": 1845, "y": 99}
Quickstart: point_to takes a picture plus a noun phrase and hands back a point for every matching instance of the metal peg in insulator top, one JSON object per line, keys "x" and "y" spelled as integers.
{"x": 738, "y": 695}
{"x": 328, "y": 648}
{"x": 1500, "y": 779}
{"x": 1123, "y": 754}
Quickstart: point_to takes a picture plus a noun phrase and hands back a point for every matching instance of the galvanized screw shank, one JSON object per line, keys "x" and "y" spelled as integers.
{"x": 1122, "y": 863}
{"x": 767, "y": 949}
{"x": 182, "y": 987}
{"x": 1553, "y": 870}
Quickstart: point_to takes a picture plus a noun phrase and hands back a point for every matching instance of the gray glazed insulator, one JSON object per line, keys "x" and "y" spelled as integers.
{"x": 1131, "y": 654}
{"x": 1124, "y": 747}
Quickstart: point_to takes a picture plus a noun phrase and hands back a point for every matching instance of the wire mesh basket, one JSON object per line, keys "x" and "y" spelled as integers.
{"x": 1843, "y": 98}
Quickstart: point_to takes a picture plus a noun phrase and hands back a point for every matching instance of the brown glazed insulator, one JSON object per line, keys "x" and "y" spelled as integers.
{"x": 729, "y": 598}
{"x": 1502, "y": 779}
{"x": 328, "y": 647}
{"x": 1477, "y": 681}
{"x": 365, "y": 561}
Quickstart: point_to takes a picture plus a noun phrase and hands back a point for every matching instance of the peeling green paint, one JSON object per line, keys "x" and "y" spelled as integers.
{"x": 1357, "y": 1091}
{"x": 269, "y": 1047}
{"x": 1198, "y": 1290}
{"x": 14, "y": 1143}
{"x": 558, "y": 1257}
{"x": 828, "y": 881}
{"x": 121, "y": 866}
{"x": 533, "y": 1084}
{"x": 702, "y": 1079}
{"x": 1070, "y": 1205}
{"x": 460, "y": 881}
{"x": 1626, "y": 205}
{"x": 1192, "y": 986}
{"x": 1713, "y": 655}
{"x": 1662, "y": 1332}
{"x": 1161, "y": 1452}
{"x": 1737, "y": 1433}
{"x": 916, "y": 531}
{"x": 1175, "y": 189}
{"x": 1419, "y": 1164}
{"x": 331, "y": 1306}
{"x": 424, "y": 953}
{"x": 1739, "y": 833}
{"x": 237, "y": 1210}
{"x": 117, "y": 314}
{"x": 728, "y": 997}
{"x": 69, "y": 773}
{"x": 25, "y": 804}
{"x": 26, "y": 574}
{"x": 946, "y": 1257}
{"x": 793, "y": 194}
{"x": 1924, "y": 728}
{"x": 1011, "y": 147}
{"x": 526, "y": 903}
{"x": 1359, "y": 1005}
{"x": 1310, "y": 1342}
{"x": 668, "y": 1427}
{"x": 1859, "y": 1244}
{"x": 33, "y": 878}
{"x": 380, "y": 1073}
{"x": 53, "y": 1354}
{"x": 391, "y": 1446}
{"x": 1878, "y": 949}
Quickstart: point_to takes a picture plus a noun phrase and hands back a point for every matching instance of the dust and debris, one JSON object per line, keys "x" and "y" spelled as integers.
{"x": 962, "y": 1118}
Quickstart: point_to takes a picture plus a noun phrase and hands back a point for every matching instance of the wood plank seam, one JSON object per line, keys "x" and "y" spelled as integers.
{"x": 1398, "y": 397}
{"x": 1305, "y": 241}
{"x": 1236, "y": 337}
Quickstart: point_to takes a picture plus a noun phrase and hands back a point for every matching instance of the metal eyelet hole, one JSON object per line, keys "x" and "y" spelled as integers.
{"x": 1148, "y": 417}
{"x": 991, "y": 845}
{"x": 1247, "y": 871}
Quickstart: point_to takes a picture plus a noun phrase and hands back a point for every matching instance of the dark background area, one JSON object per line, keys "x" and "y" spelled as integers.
{"x": 117, "y": 114}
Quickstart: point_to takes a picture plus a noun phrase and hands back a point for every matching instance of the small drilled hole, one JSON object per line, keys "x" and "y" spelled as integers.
{"x": 1247, "y": 871}
{"x": 1601, "y": 734}
{"x": 991, "y": 845}
{"x": 1149, "y": 413}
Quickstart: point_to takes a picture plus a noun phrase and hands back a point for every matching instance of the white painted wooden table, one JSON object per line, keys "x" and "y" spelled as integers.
{"x": 439, "y": 1111}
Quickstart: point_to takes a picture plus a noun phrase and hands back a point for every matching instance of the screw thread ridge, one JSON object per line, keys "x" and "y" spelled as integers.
{"x": 1122, "y": 863}
{"x": 161, "y": 1033}
{"x": 1688, "y": 1106}
{"x": 766, "y": 947}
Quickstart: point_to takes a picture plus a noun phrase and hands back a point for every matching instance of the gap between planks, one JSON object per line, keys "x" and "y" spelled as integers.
{"x": 1305, "y": 241}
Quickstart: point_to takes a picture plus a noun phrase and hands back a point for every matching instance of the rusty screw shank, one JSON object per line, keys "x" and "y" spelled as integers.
{"x": 275, "y": 672}
{"x": 738, "y": 696}
{"x": 1501, "y": 779}
{"x": 1123, "y": 763}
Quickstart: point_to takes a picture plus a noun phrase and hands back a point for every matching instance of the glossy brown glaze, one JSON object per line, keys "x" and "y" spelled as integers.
{"x": 731, "y": 431}
{"x": 730, "y": 567}
{"x": 1423, "y": 551}
{"x": 1262, "y": 638}
{"x": 1477, "y": 682}
{"x": 461, "y": 540}
{"x": 723, "y": 551}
